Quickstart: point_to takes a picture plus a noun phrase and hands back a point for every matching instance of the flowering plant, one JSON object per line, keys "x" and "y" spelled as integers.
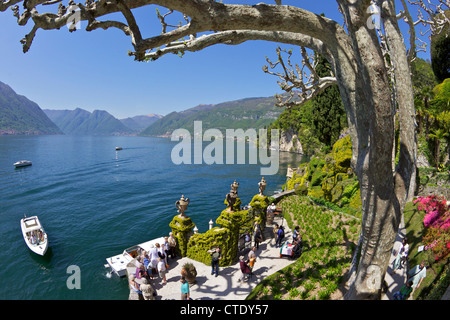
{"x": 437, "y": 225}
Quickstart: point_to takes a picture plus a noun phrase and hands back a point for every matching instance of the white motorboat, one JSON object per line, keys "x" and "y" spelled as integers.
{"x": 22, "y": 163}
{"x": 118, "y": 263}
{"x": 118, "y": 148}
{"x": 34, "y": 235}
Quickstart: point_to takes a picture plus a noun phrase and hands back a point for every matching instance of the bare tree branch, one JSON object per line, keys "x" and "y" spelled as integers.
{"x": 236, "y": 37}
{"x": 294, "y": 78}
{"x": 436, "y": 19}
{"x": 200, "y": 16}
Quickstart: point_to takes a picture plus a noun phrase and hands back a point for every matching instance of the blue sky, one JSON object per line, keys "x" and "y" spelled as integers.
{"x": 91, "y": 70}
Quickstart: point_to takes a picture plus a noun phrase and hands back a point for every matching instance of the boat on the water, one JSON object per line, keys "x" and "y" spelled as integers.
{"x": 118, "y": 148}
{"x": 34, "y": 235}
{"x": 22, "y": 163}
{"x": 118, "y": 263}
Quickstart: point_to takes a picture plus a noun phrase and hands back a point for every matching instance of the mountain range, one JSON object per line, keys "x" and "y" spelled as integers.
{"x": 98, "y": 122}
{"x": 238, "y": 114}
{"x": 19, "y": 115}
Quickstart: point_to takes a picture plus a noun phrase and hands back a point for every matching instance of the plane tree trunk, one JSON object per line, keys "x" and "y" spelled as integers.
{"x": 359, "y": 68}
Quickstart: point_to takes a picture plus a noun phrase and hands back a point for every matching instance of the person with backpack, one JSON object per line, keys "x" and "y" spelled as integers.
{"x": 280, "y": 236}
{"x": 216, "y": 256}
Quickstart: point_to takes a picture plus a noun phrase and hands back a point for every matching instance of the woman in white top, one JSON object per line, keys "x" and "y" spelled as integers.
{"x": 162, "y": 270}
{"x": 153, "y": 255}
{"x": 401, "y": 256}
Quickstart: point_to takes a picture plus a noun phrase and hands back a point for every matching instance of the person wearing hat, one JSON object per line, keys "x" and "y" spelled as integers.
{"x": 245, "y": 269}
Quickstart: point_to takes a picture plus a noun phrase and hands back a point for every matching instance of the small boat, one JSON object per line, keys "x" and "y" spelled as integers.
{"x": 22, "y": 163}
{"x": 118, "y": 148}
{"x": 118, "y": 263}
{"x": 34, "y": 235}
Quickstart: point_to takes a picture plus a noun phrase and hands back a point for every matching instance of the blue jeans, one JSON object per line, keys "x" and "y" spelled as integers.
{"x": 215, "y": 267}
{"x": 278, "y": 242}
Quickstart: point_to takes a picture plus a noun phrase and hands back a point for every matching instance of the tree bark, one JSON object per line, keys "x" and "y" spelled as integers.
{"x": 358, "y": 65}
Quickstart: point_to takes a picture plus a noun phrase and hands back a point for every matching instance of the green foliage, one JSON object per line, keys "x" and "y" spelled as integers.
{"x": 440, "y": 52}
{"x": 18, "y": 115}
{"x": 441, "y": 100}
{"x": 240, "y": 114}
{"x": 319, "y": 121}
{"x": 438, "y": 272}
{"x": 329, "y": 239}
{"x": 422, "y": 75}
{"x": 329, "y": 180}
{"x": 181, "y": 228}
{"x": 301, "y": 190}
{"x": 232, "y": 225}
{"x": 200, "y": 243}
{"x": 328, "y": 116}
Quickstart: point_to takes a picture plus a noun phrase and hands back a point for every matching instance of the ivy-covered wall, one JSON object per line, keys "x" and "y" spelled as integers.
{"x": 182, "y": 230}
{"x": 200, "y": 243}
{"x": 232, "y": 225}
{"x": 330, "y": 178}
{"x": 233, "y": 221}
{"x": 259, "y": 206}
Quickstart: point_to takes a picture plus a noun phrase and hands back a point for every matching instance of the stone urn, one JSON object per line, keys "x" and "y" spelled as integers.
{"x": 262, "y": 186}
{"x": 182, "y": 205}
{"x": 232, "y": 196}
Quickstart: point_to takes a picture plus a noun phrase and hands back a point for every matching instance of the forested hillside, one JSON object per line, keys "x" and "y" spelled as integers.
{"x": 19, "y": 115}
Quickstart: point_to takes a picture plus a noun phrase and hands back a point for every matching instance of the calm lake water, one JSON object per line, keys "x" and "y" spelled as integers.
{"x": 95, "y": 201}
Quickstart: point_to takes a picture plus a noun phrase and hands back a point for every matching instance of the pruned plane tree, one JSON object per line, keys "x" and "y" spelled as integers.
{"x": 369, "y": 63}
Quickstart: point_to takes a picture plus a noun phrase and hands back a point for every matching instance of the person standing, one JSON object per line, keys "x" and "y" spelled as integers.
{"x": 275, "y": 231}
{"x": 172, "y": 245}
{"x": 184, "y": 289}
{"x": 280, "y": 237}
{"x": 153, "y": 255}
{"x": 216, "y": 256}
{"x": 417, "y": 274}
{"x": 257, "y": 236}
{"x": 162, "y": 270}
{"x": 166, "y": 247}
{"x": 245, "y": 269}
{"x": 296, "y": 234}
{"x": 401, "y": 256}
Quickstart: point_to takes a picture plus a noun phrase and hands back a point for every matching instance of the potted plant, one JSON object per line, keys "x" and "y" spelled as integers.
{"x": 189, "y": 272}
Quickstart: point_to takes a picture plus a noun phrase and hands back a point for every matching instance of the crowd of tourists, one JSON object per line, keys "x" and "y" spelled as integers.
{"x": 152, "y": 265}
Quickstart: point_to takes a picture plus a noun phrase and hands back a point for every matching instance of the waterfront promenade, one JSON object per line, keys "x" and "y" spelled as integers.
{"x": 226, "y": 286}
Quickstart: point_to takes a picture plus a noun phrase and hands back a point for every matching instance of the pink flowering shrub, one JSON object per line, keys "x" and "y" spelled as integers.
{"x": 437, "y": 225}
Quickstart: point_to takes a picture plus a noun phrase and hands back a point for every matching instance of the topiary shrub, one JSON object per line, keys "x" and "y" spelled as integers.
{"x": 200, "y": 243}
{"x": 301, "y": 190}
{"x": 182, "y": 230}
